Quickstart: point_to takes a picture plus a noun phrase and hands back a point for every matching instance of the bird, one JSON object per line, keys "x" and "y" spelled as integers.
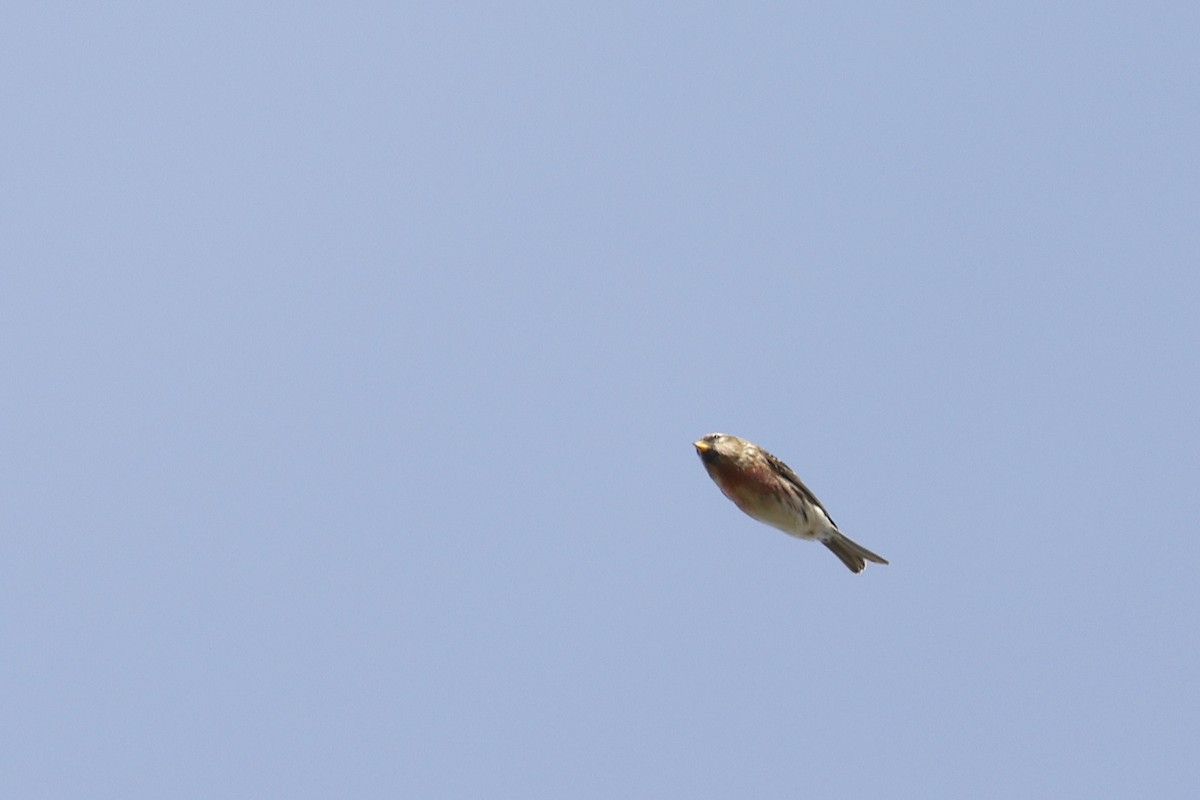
{"x": 769, "y": 491}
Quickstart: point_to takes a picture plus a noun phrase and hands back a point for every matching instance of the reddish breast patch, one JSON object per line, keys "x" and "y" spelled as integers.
{"x": 739, "y": 485}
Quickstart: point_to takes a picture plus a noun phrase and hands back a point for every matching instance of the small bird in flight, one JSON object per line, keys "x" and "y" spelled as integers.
{"x": 766, "y": 488}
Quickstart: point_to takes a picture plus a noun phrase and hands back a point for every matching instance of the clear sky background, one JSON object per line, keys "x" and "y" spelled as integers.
{"x": 353, "y": 354}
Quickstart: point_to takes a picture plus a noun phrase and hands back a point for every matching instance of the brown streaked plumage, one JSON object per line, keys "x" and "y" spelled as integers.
{"x": 767, "y": 489}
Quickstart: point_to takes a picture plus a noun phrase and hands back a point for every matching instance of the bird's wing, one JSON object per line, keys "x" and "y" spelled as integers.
{"x": 786, "y": 473}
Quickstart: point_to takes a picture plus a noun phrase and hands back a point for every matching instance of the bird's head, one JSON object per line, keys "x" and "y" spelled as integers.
{"x": 716, "y": 447}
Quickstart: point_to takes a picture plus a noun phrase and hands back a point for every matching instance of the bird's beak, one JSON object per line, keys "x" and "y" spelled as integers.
{"x": 701, "y": 446}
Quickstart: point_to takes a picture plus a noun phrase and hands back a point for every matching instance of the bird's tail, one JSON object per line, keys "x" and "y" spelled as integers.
{"x": 852, "y": 554}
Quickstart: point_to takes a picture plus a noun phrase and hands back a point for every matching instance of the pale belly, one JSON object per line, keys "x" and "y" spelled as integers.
{"x": 778, "y": 514}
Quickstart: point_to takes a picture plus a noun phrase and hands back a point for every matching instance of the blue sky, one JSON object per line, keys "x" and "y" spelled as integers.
{"x": 354, "y": 354}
